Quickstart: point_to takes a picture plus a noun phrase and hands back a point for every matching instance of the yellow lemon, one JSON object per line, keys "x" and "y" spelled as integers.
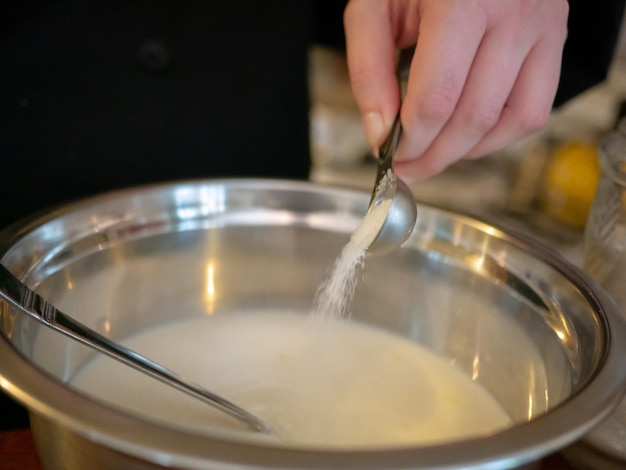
{"x": 570, "y": 181}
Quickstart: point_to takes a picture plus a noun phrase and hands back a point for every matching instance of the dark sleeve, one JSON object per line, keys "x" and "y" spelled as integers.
{"x": 103, "y": 94}
{"x": 593, "y": 32}
{"x": 328, "y": 23}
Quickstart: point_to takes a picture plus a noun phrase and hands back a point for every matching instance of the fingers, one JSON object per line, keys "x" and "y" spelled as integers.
{"x": 449, "y": 36}
{"x": 484, "y": 74}
{"x": 370, "y": 44}
{"x": 529, "y": 105}
{"x": 489, "y": 82}
{"x": 508, "y": 94}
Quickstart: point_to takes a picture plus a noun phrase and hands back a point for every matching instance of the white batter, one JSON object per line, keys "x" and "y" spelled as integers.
{"x": 319, "y": 384}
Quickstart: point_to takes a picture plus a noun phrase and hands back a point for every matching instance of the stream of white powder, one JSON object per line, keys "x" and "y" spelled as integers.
{"x": 334, "y": 297}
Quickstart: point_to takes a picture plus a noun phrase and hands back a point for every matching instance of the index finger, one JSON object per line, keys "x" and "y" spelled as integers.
{"x": 370, "y": 51}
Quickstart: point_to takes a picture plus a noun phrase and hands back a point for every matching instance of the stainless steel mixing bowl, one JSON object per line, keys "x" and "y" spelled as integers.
{"x": 534, "y": 331}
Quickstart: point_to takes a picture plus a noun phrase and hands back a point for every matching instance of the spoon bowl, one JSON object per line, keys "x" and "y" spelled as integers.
{"x": 402, "y": 213}
{"x": 400, "y": 219}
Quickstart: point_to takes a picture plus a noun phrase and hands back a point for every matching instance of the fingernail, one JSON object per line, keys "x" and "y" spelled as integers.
{"x": 374, "y": 129}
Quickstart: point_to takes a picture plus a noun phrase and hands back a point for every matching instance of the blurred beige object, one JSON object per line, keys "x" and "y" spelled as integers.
{"x": 337, "y": 136}
{"x": 523, "y": 193}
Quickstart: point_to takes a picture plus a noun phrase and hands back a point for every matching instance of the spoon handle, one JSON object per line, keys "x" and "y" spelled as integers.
{"x": 388, "y": 149}
{"x": 385, "y": 159}
{"x": 27, "y": 301}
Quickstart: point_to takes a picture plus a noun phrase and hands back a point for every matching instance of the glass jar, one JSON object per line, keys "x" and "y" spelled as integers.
{"x": 604, "y": 258}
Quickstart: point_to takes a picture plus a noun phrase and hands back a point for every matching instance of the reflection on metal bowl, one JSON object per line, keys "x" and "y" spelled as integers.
{"x": 532, "y": 330}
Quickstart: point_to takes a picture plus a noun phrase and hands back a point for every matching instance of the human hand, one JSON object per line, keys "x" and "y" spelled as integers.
{"x": 484, "y": 74}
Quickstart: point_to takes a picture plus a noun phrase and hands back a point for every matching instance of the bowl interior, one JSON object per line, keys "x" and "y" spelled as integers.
{"x": 494, "y": 307}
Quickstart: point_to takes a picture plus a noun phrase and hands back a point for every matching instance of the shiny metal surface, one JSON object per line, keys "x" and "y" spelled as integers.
{"x": 28, "y": 302}
{"x": 535, "y": 332}
{"x": 402, "y": 213}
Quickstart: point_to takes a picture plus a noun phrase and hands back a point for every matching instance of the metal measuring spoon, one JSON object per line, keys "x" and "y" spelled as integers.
{"x": 32, "y": 304}
{"x": 402, "y": 214}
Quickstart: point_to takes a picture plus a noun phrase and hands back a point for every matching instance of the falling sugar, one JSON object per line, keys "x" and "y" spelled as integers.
{"x": 308, "y": 383}
{"x": 334, "y": 298}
